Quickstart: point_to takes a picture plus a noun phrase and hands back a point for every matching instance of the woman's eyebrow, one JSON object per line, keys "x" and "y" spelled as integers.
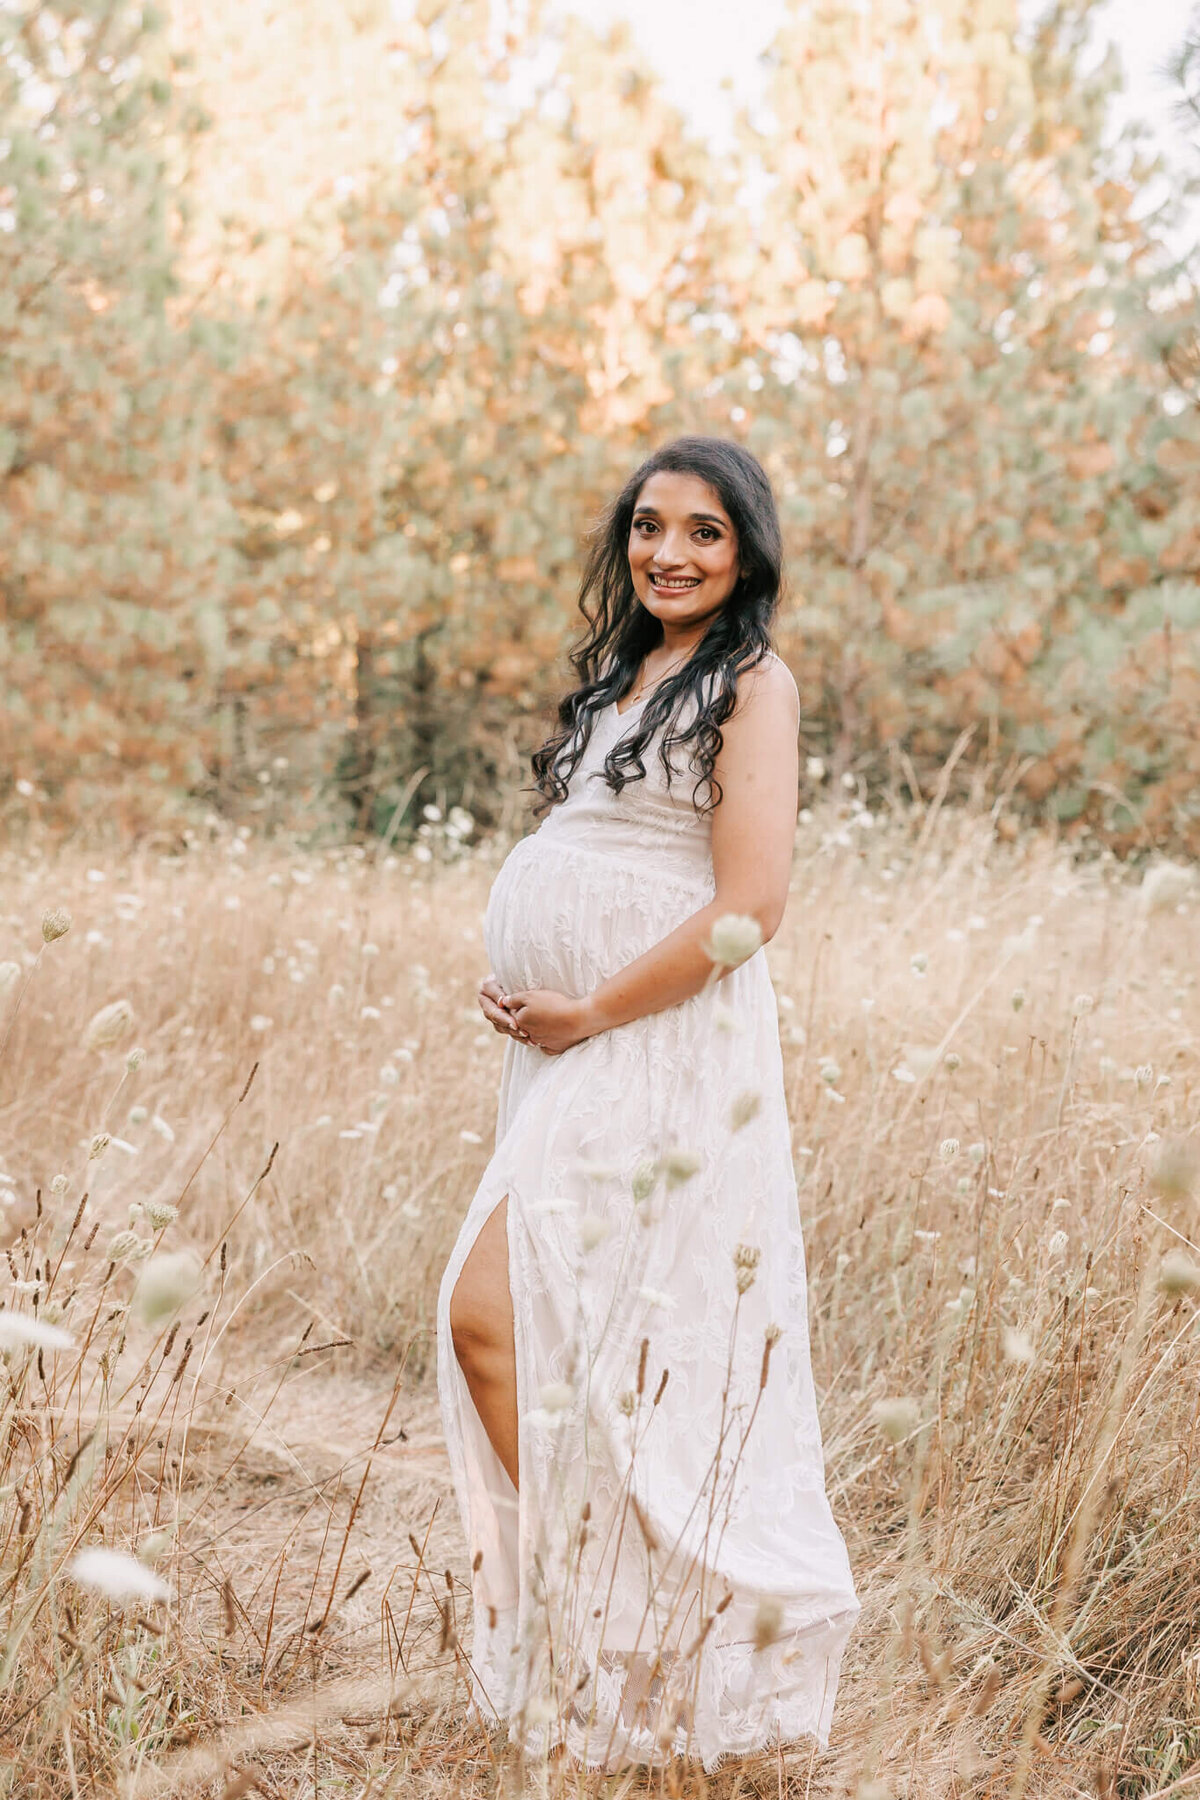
{"x": 693, "y": 518}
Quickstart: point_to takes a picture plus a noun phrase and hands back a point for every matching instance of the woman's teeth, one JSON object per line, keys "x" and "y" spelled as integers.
{"x": 672, "y": 584}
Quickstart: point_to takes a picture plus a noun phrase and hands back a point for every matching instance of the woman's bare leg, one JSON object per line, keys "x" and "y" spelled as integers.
{"x": 481, "y": 1325}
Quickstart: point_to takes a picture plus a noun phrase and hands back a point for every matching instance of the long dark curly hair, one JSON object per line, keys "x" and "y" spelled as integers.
{"x": 622, "y": 632}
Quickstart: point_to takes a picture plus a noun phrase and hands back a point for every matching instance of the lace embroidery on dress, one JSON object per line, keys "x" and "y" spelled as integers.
{"x": 670, "y": 1578}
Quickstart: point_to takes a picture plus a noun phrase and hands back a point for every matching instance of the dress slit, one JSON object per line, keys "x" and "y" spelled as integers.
{"x": 648, "y": 1170}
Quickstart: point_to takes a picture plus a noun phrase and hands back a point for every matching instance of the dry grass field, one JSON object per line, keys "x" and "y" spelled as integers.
{"x": 993, "y": 1065}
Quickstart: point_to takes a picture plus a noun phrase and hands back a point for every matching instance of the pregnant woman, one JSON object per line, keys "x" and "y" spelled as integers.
{"x": 623, "y": 1356}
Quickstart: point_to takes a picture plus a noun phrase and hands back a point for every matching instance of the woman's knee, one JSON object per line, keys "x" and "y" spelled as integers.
{"x": 480, "y": 1302}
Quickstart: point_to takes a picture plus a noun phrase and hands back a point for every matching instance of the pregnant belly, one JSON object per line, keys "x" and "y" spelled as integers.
{"x": 564, "y": 917}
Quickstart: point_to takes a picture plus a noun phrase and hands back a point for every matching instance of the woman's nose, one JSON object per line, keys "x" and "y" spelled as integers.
{"x": 671, "y": 551}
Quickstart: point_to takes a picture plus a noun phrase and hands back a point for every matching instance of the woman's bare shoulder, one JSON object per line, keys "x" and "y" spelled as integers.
{"x": 772, "y": 679}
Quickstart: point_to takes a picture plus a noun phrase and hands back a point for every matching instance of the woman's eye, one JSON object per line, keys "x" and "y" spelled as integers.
{"x": 707, "y": 532}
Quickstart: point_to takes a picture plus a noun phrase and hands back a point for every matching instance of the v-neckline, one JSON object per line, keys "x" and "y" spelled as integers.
{"x": 624, "y": 715}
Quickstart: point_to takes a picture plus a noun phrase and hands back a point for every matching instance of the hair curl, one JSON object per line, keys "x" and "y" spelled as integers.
{"x": 621, "y": 631}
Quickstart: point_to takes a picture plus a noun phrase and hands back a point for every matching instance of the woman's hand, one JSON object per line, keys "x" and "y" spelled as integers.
{"x": 495, "y": 1012}
{"x": 552, "y": 1022}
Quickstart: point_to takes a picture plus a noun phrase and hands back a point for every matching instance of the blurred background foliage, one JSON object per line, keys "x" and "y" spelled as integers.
{"x": 327, "y": 330}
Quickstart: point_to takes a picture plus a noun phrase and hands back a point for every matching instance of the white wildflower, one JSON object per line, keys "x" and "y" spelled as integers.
{"x": 1017, "y": 1345}
{"x": 593, "y": 1229}
{"x": 21, "y": 1331}
{"x": 135, "y": 1059}
{"x": 117, "y": 1575}
{"x": 896, "y": 1418}
{"x": 98, "y": 1145}
{"x": 655, "y": 1297}
{"x": 948, "y": 1149}
{"x": 1056, "y": 1244}
{"x": 952, "y": 1060}
{"x": 830, "y": 1071}
{"x": 814, "y": 768}
{"x": 746, "y": 1106}
{"x": 168, "y": 1281}
{"x": 1178, "y": 1275}
{"x": 1081, "y": 1004}
{"x": 160, "y": 1214}
{"x": 1165, "y": 885}
{"x": 555, "y": 1396}
{"x": 1144, "y": 1074}
{"x": 735, "y": 937}
{"x": 679, "y": 1166}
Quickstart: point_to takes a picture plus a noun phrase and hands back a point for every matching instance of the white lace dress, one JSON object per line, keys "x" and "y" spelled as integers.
{"x": 669, "y": 1578}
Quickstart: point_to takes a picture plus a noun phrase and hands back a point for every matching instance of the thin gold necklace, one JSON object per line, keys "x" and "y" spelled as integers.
{"x": 639, "y": 690}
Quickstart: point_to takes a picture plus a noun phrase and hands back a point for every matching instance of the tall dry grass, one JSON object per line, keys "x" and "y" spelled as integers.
{"x": 991, "y": 1057}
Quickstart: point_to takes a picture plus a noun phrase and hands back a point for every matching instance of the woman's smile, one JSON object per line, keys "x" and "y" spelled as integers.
{"x": 673, "y": 584}
{"x": 682, "y": 547}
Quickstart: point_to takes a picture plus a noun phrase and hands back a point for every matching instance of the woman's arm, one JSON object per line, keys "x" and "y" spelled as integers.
{"x": 753, "y": 834}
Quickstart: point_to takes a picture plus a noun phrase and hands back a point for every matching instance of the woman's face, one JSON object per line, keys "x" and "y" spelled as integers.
{"x": 683, "y": 550}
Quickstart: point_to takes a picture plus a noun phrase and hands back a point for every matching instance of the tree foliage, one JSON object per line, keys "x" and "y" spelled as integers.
{"x": 302, "y": 427}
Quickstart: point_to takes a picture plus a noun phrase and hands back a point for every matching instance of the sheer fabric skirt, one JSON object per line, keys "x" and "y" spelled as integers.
{"x": 669, "y": 1578}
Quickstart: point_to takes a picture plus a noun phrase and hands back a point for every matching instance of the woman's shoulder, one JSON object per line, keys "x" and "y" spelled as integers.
{"x": 771, "y": 675}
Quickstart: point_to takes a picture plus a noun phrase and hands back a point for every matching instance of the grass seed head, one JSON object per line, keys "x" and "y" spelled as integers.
{"x": 1176, "y": 1169}
{"x": 735, "y": 936}
{"x": 679, "y": 1166}
{"x": 167, "y": 1282}
{"x": 21, "y": 1331}
{"x": 555, "y": 1396}
{"x": 125, "y": 1246}
{"x": 1179, "y": 1274}
{"x": 745, "y": 1261}
{"x": 55, "y": 924}
{"x": 593, "y": 1229}
{"x": 644, "y": 1178}
{"x": 1017, "y": 1346}
{"x": 116, "y": 1575}
{"x": 746, "y": 1106}
{"x": 896, "y": 1418}
{"x": 1164, "y": 886}
{"x": 108, "y": 1026}
{"x": 768, "y": 1621}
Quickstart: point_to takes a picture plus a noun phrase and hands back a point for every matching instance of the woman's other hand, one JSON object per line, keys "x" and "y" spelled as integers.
{"x": 495, "y": 1012}
{"x": 553, "y": 1022}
